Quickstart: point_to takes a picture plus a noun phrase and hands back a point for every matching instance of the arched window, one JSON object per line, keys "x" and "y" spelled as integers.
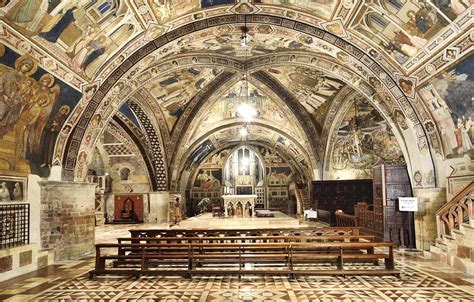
{"x": 125, "y": 174}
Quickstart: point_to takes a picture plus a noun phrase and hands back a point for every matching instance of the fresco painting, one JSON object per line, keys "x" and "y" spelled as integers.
{"x": 197, "y": 156}
{"x": 174, "y": 90}
{"x": 33, "y": 107}
{"x": 83, "y": 33}
{"x": 311, "y": 87}
{"x": 13, "y": 188}
{"x": 452, "y": 8}
{"x": 208, "y": 179}
{"x": 451, "y": 100}
{"x": 364, "y": 139}
{"x": 225, "y": 40}
{"x": 321, "y": 8}
{"x": 280, "y": 176}
{"x": 270, "y": 157}
{"x": 227, "y": 107}
{"x": 166, "y": 10}
{"x": 216, "y": 160}
{"x": 404, "y": 28}
{"x": 127, "y": 111}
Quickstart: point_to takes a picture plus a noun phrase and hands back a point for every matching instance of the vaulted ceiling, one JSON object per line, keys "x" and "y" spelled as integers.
{"x": 177, "y": 70}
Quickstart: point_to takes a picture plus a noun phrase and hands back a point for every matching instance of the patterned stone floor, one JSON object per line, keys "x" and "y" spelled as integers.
{"x": 422, "y": 280}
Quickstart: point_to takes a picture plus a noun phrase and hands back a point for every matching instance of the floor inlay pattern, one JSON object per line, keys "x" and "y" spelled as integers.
{"x": 422, "y": 279}
{"x": 414, "y": 285}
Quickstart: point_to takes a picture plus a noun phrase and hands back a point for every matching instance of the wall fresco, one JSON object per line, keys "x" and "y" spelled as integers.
{"x": 363, "y": 140}
{"x": 33, "y": 107}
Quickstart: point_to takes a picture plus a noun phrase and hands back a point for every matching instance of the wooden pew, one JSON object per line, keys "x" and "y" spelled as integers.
{"x": 308, "y": 231}
{"x": 235, "y": 239}
{"x": 197, "y": 256}
{"x": 247, "y": 239}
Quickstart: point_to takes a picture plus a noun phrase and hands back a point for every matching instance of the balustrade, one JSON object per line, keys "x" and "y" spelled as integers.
{"x": 456, "y": 212}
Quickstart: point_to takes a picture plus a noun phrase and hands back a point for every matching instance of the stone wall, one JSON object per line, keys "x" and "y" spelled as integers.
{"x": 67, "y": 218}
{"x": 159, "y": 207}
{"x": 429, "y": 201}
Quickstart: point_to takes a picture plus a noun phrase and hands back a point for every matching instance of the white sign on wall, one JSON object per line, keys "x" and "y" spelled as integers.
{"x": 408, "y": 204}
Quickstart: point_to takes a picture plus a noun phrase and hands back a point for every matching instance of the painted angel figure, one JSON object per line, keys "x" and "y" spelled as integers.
{"x": 16, "y": 90}
{"x": 34, "y": 116}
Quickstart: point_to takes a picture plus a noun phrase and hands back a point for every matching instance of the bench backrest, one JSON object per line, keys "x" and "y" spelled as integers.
{"x": 250, "y": 239}
{"x": 310, "y": 231}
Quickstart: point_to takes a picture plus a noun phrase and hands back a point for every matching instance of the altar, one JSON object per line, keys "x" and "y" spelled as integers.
{"x": 239, "y": 205}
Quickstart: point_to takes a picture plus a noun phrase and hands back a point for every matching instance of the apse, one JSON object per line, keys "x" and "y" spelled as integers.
{"x": 244, "y": 173}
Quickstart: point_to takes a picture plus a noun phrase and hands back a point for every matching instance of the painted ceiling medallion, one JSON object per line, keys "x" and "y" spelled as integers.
{"x": 335, "y": 27}
{"x": 244, "y": 7}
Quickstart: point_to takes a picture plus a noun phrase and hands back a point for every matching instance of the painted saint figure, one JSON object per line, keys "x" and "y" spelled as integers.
{"x": 53, "y": 34}
{"x": 4, "y": 192}
{"x": 52, "y": 132}
{"x": 17, "y": 194}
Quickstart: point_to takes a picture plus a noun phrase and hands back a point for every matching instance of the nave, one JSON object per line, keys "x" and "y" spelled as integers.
{"x": 134, "y": 134}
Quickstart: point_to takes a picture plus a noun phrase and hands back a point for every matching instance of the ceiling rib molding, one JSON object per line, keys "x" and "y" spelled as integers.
{"x": 138, "y": 138}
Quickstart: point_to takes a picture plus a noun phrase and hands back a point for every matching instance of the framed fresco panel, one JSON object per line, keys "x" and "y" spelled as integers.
{"x": 13, "y": 188}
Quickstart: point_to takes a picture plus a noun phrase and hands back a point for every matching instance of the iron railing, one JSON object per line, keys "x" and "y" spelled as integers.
{"x": 14, "y": 224}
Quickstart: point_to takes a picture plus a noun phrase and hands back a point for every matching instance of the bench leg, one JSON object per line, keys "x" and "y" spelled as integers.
{"x": 339, "y": 263}
{"x": 371, "y": 251}
{"x": 101, "y": 263}
{"x": 389, "y": 263}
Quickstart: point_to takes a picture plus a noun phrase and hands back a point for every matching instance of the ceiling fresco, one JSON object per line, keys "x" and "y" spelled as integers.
{"x": 403, "y": 28}
{"x": 310, "y": 86}
{"x": 173, "y": 91}
{"x": 85, "y": 35}
{"x": 402, "y": 55}
{"x": 79, "y": 34}
{"x": 225, "y": 39}
{"x": 256, "y": 134}
{"x": 226, "y": 108}
{"x": 320, "y": 8}
{"x": 267, "y": 136}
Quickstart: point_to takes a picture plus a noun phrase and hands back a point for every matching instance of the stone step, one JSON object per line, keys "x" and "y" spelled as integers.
{"x": 448, "y": 238}
{"x": 465, "y": 265}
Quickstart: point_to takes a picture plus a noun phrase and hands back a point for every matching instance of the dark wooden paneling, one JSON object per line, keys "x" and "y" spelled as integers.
{"x": 398, "y": 227}
{"x": 335, "y": 195}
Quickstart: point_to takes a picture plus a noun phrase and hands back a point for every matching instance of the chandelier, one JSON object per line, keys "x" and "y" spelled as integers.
{"x": 245, "y": 109}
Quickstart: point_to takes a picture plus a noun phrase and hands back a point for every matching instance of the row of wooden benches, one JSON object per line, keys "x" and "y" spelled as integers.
{"x": 306, "y": 231}
{"x": 160, "y": 254}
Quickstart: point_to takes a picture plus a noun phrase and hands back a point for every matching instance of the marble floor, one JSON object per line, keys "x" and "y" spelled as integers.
{"x": 422, "y": 280}
{"x": 205, "y": 220}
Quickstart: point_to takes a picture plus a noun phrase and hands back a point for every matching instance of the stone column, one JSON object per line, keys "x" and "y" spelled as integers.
{"x": 68, "y": 218}
{"x": 429, "y": 201}
{"x": 159, "y": 207}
